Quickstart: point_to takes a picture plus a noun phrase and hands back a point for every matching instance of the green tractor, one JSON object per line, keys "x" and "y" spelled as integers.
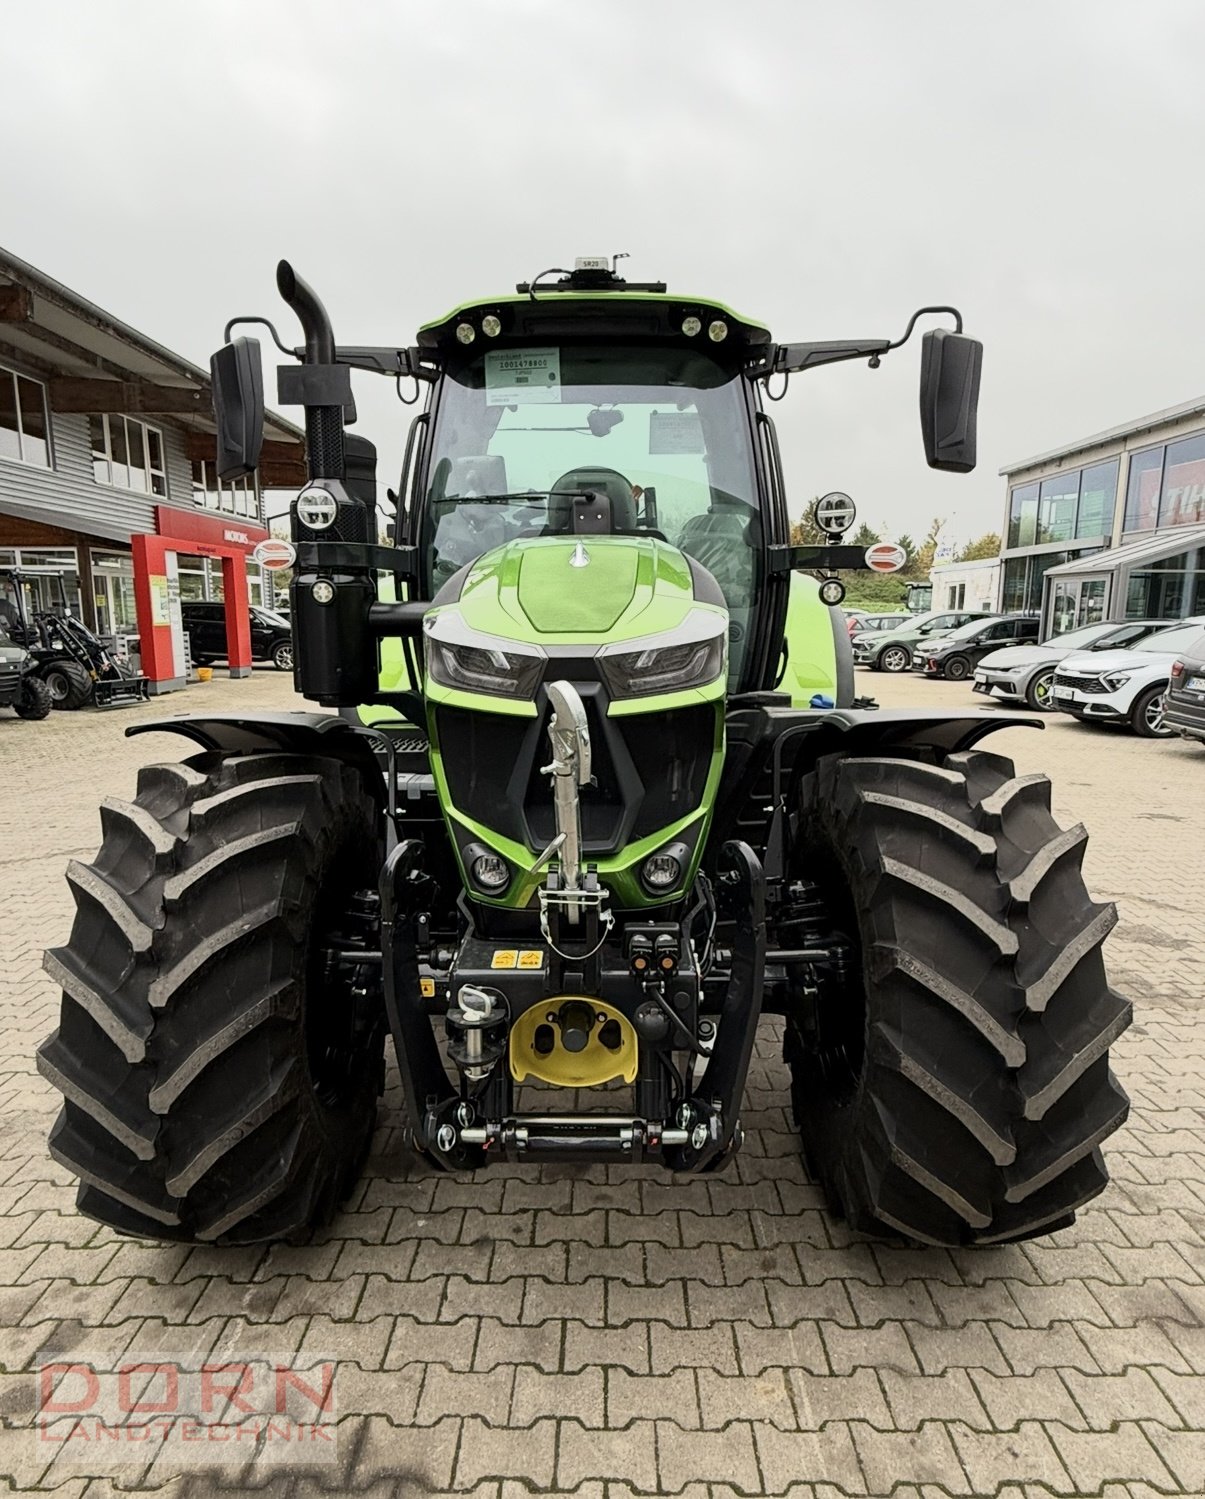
{"x": 594, "y": 799}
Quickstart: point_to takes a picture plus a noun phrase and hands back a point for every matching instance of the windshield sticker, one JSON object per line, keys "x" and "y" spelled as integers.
{"x": 522, "y": 377}
{"x": 675, "y": 432}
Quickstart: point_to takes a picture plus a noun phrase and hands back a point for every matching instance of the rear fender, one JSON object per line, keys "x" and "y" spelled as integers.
{"x": 294, "y": 733}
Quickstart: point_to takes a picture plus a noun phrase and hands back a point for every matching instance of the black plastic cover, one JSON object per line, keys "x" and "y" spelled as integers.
{"x": 949, "y": 399}
{"x": 237, "y": 373}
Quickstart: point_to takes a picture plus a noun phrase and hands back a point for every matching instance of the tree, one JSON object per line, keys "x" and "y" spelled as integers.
{"x": 928, "y": 548}
{"x": 867, "y": 536}
{"x": 805, "y": 532}
{"x": 987, "y": 547}
{"x": 909, "y": 546}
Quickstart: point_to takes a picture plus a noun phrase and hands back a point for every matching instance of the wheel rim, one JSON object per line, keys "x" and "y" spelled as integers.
{"x": 1042, "y": 692}
{"x": 58, "y": 685}
{"x": 284, "y": 657}
{"x": 895, "y": 659}
{"x": 956, "y": 670}
{"x": 1154, "y": 716}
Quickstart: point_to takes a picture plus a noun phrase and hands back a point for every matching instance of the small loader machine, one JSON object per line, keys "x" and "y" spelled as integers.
{"x": 585, "y": 795}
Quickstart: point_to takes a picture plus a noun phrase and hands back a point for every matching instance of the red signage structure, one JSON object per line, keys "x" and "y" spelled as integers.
{"x": 157, "y": 588}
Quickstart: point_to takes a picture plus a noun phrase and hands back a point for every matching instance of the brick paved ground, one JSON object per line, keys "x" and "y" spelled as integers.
{"x": 607, "y": 1331}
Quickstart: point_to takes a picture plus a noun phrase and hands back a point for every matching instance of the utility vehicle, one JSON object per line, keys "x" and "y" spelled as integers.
{"x": 74, "y": 663}
{"x": 591, "y": 797}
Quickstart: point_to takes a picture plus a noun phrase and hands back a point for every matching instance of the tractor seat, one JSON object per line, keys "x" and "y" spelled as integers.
{"x": 606, "y": 481}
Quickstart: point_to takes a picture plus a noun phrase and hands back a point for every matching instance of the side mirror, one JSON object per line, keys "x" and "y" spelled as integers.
{"x": 949, "y": 399}
{"x": 237, "y": 373}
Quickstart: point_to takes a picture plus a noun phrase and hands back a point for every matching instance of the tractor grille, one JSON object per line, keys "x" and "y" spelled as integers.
{"x": 1081, "y": 684}
{"x": 649, "y": 771}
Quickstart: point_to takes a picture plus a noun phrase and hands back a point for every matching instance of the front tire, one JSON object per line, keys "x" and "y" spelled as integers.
{"x": 1039, "y": 693}
{"x": 33, "y": 701}
{"x": 219, "y": 1075}
{"x": 282, "y": 655}
{"x": 69, "y": 683}
{"x": 956, "y": 668}
{"x": 894, "y": 658}
{"x": 1146, "y": 716}
{"x": 957, "y": 1089}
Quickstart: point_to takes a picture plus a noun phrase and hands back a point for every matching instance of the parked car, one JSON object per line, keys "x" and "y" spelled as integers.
{"x": 1184, "y": 704}
{"x": 892, "y": 650}
{"x": 205, "y": 626}
{"x": 954, "y": 655}
{"x": 1025, "y": 673}
{"x": 872, "y": 623}
{"x": 1125, "y": 686}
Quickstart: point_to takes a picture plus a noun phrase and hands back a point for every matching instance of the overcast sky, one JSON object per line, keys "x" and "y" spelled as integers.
{"x": 825, "y": 168}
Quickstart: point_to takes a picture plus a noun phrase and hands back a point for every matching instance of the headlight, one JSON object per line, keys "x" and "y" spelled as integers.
{"x": 663, "y": 668}
{"x": 1115, "y": 683}
{"x": 480, "y": 668}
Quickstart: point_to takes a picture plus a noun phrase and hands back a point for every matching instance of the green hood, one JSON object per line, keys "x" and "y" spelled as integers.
{"x": 569, "y": 590}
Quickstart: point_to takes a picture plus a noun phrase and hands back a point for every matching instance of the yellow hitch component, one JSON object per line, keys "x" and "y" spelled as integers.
{"x": 538, "y": 1046}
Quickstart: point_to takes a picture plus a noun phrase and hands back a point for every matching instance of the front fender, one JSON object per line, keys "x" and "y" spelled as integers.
{"x": 295, "y": 733}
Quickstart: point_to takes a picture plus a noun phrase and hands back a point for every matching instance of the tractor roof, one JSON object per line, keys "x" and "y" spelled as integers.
{"x": 594, "y": 303}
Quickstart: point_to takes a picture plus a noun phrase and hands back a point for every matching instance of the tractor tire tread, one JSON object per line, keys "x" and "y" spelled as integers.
{"x": 188, "y": 1108}
{"x": 982, "y": 1094}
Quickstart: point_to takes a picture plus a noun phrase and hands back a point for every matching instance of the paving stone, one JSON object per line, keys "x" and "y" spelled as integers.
{"x": 584, "y": 1301}
{"x": 630, "y": 1454}
{"x": 798, "y": 1347}
{"x": 992, "y": 1459}
{"x": 701, "y": 1348}
{"x": 627, "y": 1347}
{"x": 917, "y": 1398}
{"x": 576, "y": 1397}
{"x": 645, "y": 1397}
{"x": 971, "y": 1347}
{"x": 885, "y": 1347}
{"x": 1059, "y": 1346}
{"x": 666, "y": 1303}
{"x": 761, "y": 1397}
{"x": 499, "y": 1344}
{"x": 926, "y": 1456}
{"x": 1013, "y": 1398}
{"x": 820, "y": 1398}
{"x": 786, "y": 1458}
{"x": 1093, "y": 1457}
{"x": 451, "y": 1392}
{"x": 1106, "y": 1399}
{"x": 725, "y": 1456}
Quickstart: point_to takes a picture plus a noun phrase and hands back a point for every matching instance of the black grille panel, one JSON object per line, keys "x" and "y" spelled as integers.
{"x": 650, "y": 770}
{"x": 1081, "y": 684}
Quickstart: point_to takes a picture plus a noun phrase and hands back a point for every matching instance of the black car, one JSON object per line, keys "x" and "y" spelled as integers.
{"x": 1184, "y": 701}
{"x": 956, "y": 654}
{"x": 205, "y": 626}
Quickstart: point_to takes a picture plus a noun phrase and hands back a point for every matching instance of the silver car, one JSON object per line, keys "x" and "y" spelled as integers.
{"x": 1024, "y": 674}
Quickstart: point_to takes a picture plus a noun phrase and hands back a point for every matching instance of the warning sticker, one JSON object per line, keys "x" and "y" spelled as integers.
{"x": 426, "y": 987}
{"x": 676, "y": 432}
{"x": 522, "y": 377}
{"x": 505, "y": 957}
{"x": 531, "y": 958}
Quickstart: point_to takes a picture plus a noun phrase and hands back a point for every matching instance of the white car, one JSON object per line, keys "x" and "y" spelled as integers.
{"x": 1124, "y": 686}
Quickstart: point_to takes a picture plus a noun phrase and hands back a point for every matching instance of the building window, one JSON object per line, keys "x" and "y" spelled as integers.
{"x": 1056, "y": 508}
{"x": 1097, "y": 493}
{"x": 233, "y": 496}
{"x": 127, "y": 454}
{"x": 1182, "y": 498}
{"x": 1142, "y": 490}
{"x": 1023, "y": 516}
{"x": 24, "y": 426}
{"x": 1021, "y": 589}
{"x": 1172, "y": 588}
{"x": 957, "y": 595}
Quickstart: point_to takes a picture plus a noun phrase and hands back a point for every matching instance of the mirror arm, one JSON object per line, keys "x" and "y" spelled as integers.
{"x": 263, "y": 323}
{"x": 793, "y": 359}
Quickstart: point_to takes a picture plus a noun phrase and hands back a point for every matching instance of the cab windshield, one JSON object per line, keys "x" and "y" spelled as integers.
{"x": 664, "y": 433}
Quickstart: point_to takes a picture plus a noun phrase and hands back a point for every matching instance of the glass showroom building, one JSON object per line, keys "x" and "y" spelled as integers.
{"x": 1112, "y": 527}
